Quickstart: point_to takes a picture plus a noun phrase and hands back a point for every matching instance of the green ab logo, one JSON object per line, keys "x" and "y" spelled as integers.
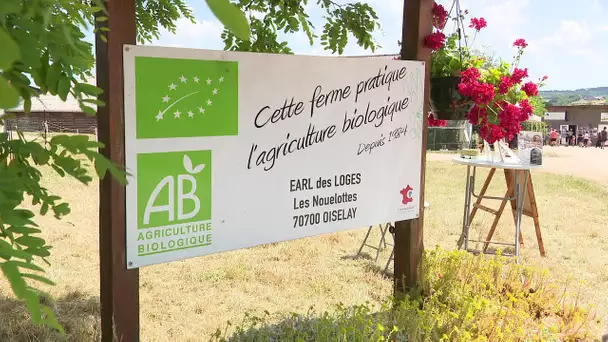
{"x": 183, "y": 195}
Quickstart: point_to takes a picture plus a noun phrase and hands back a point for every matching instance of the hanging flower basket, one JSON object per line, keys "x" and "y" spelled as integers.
{"x": 446, "y": 101}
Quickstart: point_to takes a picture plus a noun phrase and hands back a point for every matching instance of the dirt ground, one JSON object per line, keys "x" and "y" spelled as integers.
{"x": 589, "y": 163}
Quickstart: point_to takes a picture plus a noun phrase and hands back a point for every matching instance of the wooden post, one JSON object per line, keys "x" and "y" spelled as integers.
{"x": 417, "y": 24}
{"x": 119, "y": 289}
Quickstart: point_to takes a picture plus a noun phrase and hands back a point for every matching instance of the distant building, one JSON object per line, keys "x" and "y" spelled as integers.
{"x": 578, "y": 118}
{"x": 50, "y": 113}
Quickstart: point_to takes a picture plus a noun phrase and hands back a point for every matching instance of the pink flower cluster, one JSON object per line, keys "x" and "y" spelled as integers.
{"x": 478, "y": 23}
{"x": 436, "y": 40}
{"x": 497, "y": 117}
{"x": 440, "y": 16}
{"x": 520, "y": 43}
{"x": 436, "y": 123}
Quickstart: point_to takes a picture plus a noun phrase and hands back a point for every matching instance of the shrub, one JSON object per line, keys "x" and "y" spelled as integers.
{"x": 460, "y": 297}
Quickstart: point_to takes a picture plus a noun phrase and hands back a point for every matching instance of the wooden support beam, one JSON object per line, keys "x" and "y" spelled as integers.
{"x": 119, "y": 290}
{"x": 417, "y": 24}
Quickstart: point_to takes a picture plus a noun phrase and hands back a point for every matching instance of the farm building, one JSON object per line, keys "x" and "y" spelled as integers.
{"x": 50, "y": 113}
{"x": 578, "y": 117}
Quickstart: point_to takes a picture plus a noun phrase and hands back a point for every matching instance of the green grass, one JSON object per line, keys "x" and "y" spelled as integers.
{"x": 187, "y": 300}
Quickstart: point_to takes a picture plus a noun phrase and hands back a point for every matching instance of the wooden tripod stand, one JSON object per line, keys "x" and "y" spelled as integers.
{"x": 529, "y": 207}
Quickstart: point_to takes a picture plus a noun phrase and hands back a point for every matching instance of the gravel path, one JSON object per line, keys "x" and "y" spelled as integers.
{"x": 589, "y": 163}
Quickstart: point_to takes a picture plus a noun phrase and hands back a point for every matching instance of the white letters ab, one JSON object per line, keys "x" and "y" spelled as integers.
{"x": 169, "y": 182}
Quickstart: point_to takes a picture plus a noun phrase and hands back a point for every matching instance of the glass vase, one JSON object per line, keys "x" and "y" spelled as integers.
{"x": 493, "y": 153}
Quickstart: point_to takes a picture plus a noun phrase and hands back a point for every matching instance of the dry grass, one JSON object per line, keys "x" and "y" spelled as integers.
{"x": 188, "y": 300}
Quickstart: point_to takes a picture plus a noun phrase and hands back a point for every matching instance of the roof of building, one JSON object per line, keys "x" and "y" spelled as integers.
{"x": 590, "y": 102}
{"x": 53, "y": 104}
{"x": 603, "y": 106}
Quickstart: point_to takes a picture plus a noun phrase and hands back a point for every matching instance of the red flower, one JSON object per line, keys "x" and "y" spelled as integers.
{"x": 510, "y": 117}
{"x": 436, "y": 123}
{"x": 520, "y": 43}
{"x": 470, "y": 74}
{"x": 440, "y": 16}
{"x": 478, "y": 23}
{"x": 477, "y": 114}
{"x": 483, "y": 94}
{"x": 526, "y": 109}
{"x": 519, "y": 75}
{"x": 479, "y": 92}
{"x": 530, "y": 88}
{"x": 434, "y": 40}
{"x": 544, "y": 78}
{"x": 491, "y": 132}
{"x": 505, "y": 84}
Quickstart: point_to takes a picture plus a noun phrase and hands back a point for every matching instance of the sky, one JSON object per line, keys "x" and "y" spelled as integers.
{"x": 567, "y": 42}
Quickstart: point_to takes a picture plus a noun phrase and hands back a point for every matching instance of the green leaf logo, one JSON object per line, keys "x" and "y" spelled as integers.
{"x": 189, "y": 168}
{"x": 185, "y": 98}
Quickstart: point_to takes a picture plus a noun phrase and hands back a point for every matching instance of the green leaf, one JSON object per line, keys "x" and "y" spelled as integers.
{"x": 43, "y": 253}
{"x": 62, "y": 209}
{"x": 63, "y": 87}
{"x": 10, "y": 50}
{"x": 9, "y": 96}
{"x": 38, "y": 278}
{"x": 51, "y": 321}
{"x": 52, "y": 77}
{"x": 7, "y": 251}
{"x": 33, "y": 306}
{"x": 101, "y": 167}
{"x": 27, "y": 105}
{"x": 30, "y": 241}
{"x": 18, "y": 284}
{"x": 231, "y": 16}
{"x": 44, "y": 208}
{"x": 25, "y": 230}
{"x": 88, "y": 89}
{"x": 94, "y": 101}
{"x": 17, "y": 218}
{"x": 10, "y": 7}
{"x": 28, "y": 265}
{"x": 88, "y": 110}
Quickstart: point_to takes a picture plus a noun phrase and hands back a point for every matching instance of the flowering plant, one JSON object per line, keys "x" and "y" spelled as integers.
{"x": 449, "y": 56}
{"x": 496, "y": 94}
{"x": 448, "y": 59}
{"x": 500, "y": 96}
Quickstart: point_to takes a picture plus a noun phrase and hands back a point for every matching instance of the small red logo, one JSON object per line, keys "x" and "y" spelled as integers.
{"x": 406, "y": 195}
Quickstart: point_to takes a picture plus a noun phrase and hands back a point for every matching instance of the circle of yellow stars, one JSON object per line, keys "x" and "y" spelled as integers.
{"x": 201, "y": 109}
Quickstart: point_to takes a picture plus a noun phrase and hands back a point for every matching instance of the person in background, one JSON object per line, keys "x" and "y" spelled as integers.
{"x": 586, "y": 137}
{"x": 604, "y": 137}
{"x": 554, "y": 136}
{"x": 570, "y": 138}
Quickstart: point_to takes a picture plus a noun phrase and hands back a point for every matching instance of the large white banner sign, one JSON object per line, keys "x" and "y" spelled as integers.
{"x": 230, "y": 150}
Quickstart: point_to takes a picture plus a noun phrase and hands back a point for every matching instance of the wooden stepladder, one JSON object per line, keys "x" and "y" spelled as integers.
{"x": 529, "y": 207}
